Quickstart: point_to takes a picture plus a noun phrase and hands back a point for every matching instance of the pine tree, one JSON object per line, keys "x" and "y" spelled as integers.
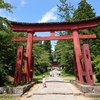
{"x": 65, "y": 10}
{"x": 64, "y": 48}
{"x": 47, "y": 47}
{"x": 41, "y": 58}
{"x": 7, "y": 48}
{"x": 85, "y": 11}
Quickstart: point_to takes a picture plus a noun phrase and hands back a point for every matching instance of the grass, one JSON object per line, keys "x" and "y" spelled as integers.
{"x": 96, "y": 99}
{"x": 67, "y": 77}
{"x": 7, "y": 98}
{"x": 38, "y": 78}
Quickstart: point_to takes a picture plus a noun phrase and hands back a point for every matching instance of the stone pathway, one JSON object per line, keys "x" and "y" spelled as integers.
{"x": 56, "y": 89}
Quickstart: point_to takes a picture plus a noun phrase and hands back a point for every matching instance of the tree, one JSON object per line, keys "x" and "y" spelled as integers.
{"x": 85, "y": 11}
{"x": 96, "y": 63}
{"x": 65, "y": 10}
{"x": 8, "y": 50}
{"x": 6, "y": 47}
{"x": 4, "y": 23}
{"x": 64, "y": 48}
{"x": 41, "y": 58}
{"x": 64, "y": 55}
{"x": 47, "y": 47}
{"x": 6, "y": 6}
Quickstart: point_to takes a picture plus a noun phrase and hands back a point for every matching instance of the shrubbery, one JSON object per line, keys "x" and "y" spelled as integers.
{"x": 96, "y": 64}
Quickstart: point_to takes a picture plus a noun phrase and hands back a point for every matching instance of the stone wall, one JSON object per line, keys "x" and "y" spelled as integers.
{"x": 88, "y": 90}
{"x": 16, "y": 90}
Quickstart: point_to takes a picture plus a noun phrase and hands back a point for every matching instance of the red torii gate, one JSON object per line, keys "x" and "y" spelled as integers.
{"x": 31, "y": 28}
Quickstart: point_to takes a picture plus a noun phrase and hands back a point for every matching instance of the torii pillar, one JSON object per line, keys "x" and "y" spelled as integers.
{"x": 28, "y": 54}
{"x": 77, "y": 50}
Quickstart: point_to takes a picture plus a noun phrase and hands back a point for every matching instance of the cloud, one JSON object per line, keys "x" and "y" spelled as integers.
{"x": 23, "y": 2}
{"x": 12, "y": 19}
{"x": 7, "y": 16}
{"x": 50, "y": 15}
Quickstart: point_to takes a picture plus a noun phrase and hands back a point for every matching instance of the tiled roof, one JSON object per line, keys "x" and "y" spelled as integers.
{"x": 47, "y": 23}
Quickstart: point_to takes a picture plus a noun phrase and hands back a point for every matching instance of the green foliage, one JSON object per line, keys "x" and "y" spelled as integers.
{"x": 65, "y": 10}
{"x": 3, "y": 73}
{"x": 38, "y": 78}
{"x": 84, "y": 11}
{"x": 96, "y": 99}
{"x": 67, "y": 77}
{"x": 64, "y": 55}
{"x": 8, "y": 50}
{"x": 6, "y": 6}
{"x": 64, "y": 49}
{"x": 7, "y": 98}
{"x": 41, "y": 58}
{"x": 4, "y": 23}
{"x": 96, "y": 63}
{"x": 47, "y": 46}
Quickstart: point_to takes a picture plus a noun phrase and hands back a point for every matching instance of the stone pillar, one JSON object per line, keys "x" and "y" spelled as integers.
{"x": 28, "y": 54}
{"x": 77, "y": 50}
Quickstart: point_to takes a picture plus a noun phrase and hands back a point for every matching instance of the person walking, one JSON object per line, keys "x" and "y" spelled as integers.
{"x": 44, "y": 81}
{"x": 50, "y": 73}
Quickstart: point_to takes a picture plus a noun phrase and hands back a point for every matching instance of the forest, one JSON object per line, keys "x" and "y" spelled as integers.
{"x": 43, "y": 55}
